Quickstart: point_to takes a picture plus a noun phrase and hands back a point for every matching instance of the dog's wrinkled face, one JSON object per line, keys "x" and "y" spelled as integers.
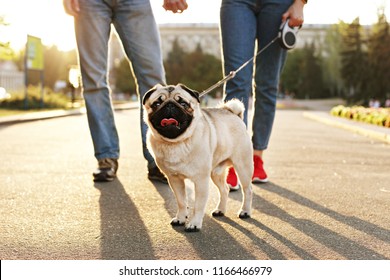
{"x": 170, "y": 109}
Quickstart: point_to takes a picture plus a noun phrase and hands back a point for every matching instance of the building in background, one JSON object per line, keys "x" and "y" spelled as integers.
{"x": 10, "y": 77}
{"x": 190, "y": 35}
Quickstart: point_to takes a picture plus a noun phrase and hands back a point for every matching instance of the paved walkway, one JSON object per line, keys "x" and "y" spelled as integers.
{"x": 328, "y": 198}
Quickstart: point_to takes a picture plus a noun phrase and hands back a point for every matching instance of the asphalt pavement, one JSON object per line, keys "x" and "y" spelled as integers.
{"x": 328, "y": 195}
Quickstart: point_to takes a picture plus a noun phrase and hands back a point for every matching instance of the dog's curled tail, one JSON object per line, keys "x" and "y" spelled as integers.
{"x": 235, "y": 106}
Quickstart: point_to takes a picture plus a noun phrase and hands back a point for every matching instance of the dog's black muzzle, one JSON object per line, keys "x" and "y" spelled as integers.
{"x": 170, "y": 119}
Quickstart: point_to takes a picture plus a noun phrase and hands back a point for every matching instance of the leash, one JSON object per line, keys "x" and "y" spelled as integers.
{"x": 232, "y": 74}
{"x": 287, "y": 36}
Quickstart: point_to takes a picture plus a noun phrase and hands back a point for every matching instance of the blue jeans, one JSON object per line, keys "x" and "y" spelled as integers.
{"x": 137, "y": 29}
{"x": 243, "y": 22}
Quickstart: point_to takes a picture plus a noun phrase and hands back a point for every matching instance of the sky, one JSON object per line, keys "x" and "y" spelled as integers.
{"x": 46, "y": 18}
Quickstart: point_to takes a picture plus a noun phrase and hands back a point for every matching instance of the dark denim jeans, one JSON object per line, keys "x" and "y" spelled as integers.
{"x": 137, "y": 29}
{"x": 243, "y": 24}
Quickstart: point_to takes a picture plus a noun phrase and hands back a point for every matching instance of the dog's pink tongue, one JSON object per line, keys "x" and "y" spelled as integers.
{"x": 170, "y": 121}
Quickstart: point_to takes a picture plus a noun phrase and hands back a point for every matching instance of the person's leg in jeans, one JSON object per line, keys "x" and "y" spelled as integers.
{"x": 137, "y": 29}
{"x": 92, "y": 27}
{"x": 238, "y": 31}
{"x": 267, "y": 73}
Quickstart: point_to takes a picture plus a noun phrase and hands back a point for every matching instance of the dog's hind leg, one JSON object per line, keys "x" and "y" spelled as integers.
{"x": 179, "y": 189}
{"x": 245, "y": 176}
{"x": 218, "y": 177}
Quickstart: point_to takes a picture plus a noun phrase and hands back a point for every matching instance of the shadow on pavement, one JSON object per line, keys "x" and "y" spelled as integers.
{"x": 213, "y": 242}
{"x": 169, "y": 198}
{"x": 123, "y": 233}
{"x": 356, "y": 223}
{"x": 216, "y": 241}
{"x": 271, "y": 252}
{"x": 343, "y": 245}
{"x": 219, "y": 245}
{"x": 257, "y": 241}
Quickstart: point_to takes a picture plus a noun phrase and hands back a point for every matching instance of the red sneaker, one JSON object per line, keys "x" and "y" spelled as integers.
{"x": 232, "y": 180}
{"x": 259, "y": 175}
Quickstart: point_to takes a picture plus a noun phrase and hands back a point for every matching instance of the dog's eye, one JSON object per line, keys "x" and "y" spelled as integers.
{"x": 183, "y": 103}
{"x": 156, "y": 104}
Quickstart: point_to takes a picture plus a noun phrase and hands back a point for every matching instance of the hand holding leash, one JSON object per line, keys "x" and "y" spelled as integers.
{"x": 288, "y": 35}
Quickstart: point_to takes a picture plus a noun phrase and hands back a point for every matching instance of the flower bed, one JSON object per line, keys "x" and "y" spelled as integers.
{"x": 377, "y": 116}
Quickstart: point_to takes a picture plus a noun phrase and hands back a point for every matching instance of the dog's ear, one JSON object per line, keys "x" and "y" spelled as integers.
{"x": 193, "y": 93}
{"x": 149, "y": 93}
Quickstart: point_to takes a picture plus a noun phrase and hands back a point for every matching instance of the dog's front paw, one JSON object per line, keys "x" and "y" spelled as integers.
{"x": 192, "y": 228}
{"x": 193, "y": 225}
{"x": 218, "y": 213}
{"x": 175, "y": 222}
{"x": 244, "y": 215}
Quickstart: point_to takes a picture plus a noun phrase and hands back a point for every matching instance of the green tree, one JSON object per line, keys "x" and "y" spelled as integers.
{"x": 204, "y": 71}
{"x": 123, "y": 77}
{"x": 175, "y": 64}
{"x": 312, "y": 85}
{"x": 291, "y": 80}
{"x": 302, "y": 74}
{"x": 56, "y": 65}
{"x": 379, "y": 59}
{"x": 6, "y": 53}
{"x": 197, "y": 69}
{"x": 354, "y": 62}
{"x": 331, "y": 61}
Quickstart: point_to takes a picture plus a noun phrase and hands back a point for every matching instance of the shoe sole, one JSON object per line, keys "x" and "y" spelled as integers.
{"x": 259, "y": 181}
{"x": 233, "y": 188}
{"x": 102, "y": 178}
{"x": 158, "y": 179}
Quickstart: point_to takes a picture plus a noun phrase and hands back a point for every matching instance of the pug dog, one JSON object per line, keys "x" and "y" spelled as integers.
{"x": 190, "y": 142}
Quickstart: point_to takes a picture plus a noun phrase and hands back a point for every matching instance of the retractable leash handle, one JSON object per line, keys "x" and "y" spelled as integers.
{"x": 288, "y": 35}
